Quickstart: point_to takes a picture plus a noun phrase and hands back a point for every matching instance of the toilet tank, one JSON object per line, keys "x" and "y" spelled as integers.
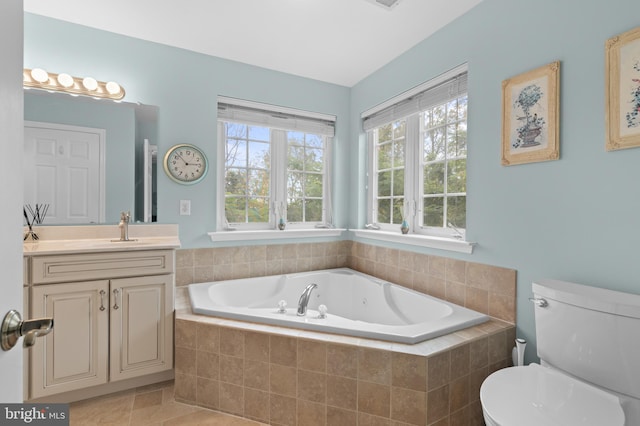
{"x": 591, "y": 333}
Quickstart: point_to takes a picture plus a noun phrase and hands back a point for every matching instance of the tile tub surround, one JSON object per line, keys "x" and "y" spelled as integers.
{"x": 291, "y": 377}
{"x": 487, "y": 289}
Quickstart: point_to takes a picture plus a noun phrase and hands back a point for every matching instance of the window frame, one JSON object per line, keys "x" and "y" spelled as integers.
{"x": 414, "y": 162}
{"x": 279, "y": 168}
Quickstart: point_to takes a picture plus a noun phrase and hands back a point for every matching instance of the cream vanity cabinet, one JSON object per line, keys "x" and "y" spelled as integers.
{"x": 113, "y": 318}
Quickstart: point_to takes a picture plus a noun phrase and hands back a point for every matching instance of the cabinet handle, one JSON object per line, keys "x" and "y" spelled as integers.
{"x": 116, "y": 292}
{"x": 102, "y": 293}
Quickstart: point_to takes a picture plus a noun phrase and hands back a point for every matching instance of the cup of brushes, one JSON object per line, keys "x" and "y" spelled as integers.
{"x": 34, "y": 216}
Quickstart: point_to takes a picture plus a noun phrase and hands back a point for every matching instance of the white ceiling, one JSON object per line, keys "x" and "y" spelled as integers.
{"x": 337, "y": 41}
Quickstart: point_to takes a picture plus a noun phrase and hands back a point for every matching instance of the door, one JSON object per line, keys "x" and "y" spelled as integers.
{"x": 141, "y": 326}
{"x": 11, "y": 124}
{"x": 64, "y": 167}
{"x": 75, "y": 355}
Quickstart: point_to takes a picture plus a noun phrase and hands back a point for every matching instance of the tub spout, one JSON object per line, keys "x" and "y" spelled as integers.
{"x": 304, "y": 299}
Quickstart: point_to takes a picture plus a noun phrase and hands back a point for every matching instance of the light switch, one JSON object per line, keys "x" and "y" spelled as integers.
{"x": 185, "y": 207}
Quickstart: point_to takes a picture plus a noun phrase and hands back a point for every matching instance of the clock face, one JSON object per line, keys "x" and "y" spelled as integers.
{"x": 185, "y": 164}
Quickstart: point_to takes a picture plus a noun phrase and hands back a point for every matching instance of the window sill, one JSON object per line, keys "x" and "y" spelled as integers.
{"x": 272, "y": 234}
{"x": 417, "y": 240}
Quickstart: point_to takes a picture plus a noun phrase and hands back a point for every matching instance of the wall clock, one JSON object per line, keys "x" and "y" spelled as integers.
{"x": 185, "y": 164}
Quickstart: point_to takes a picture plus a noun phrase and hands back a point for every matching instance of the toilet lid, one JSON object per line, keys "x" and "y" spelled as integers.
{"x": 535, "y": 396}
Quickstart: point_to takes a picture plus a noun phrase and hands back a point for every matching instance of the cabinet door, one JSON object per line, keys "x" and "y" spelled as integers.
{"x": 75, "y": 354}
{"x": 141, "y": 326}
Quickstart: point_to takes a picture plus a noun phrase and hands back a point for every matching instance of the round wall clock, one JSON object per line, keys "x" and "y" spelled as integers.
{"x": 185, "y": 164}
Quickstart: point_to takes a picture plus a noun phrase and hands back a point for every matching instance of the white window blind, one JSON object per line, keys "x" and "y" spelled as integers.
{"x": 255, "y": 113}
{"x": 413, "y": 102}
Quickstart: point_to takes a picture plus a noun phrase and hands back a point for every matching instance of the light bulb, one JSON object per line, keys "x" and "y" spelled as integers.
{"x": 90, "y": 83}
{"x": 113, "y": 88}
{"x": 39, "y": 75}
{"x": 65, "y": 80}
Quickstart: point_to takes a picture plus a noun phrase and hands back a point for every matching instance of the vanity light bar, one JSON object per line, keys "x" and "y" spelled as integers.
{"x": 88, "y": 86}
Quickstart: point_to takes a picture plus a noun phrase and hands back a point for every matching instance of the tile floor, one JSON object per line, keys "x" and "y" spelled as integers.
{"x": 148, "y": 405}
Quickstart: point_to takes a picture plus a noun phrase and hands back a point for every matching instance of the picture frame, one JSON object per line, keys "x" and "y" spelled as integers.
{"x": 530, "y": 116}
{"x": 622, "y": 83}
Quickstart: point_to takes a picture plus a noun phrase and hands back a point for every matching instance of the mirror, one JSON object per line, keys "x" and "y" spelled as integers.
{"x": 89, "y": 159}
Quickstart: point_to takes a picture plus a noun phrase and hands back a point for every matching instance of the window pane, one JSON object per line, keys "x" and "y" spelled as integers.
{"x": 433, "y": 211}
{"x": 259, "y": 182}
{"x": 384, "y": 211}
{"x": 399, "y": 129}
{"x": 258, "y": 210}
{"x": 456, "y": 211}
{"x": 313, "y": 185}
{"x": 384, "y": 133}
{"x": 295, "y": 138}
{"x": 462, "y": 108}
{"x": 398, "y": 206}
{"x": 259, "y": 133}
{"x": 295, "y": 159}
{"x": 384, "y": 156}
{"x": 295, "y": 185}
{"x": 398, "y": 153}
{"x": 235, "y": 209}
{"x": 294, "y": 210}
{"x": 236, "y": 153}
{"x": 314, "y": 141}
{"x": 434, "y": 178}
{"x": 259, "y": 155}
{"x": 434, "y": 145}
{"x": 313, "y": 211}
{"x": 384, "y": 184}
{"x": 313, "y": 160}
{"x": 398, "y": 182}
{"x": 434, "y": 117}
{"x": 235, "y": 130}
{"x": 457, "y": 176}
{"x": 452, "y": 111}
{"x": 236, "y": 182}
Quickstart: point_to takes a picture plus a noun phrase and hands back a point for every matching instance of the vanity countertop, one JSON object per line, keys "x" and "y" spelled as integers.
{"x": 100, "y": 238}
{"x": 98, "y": 245}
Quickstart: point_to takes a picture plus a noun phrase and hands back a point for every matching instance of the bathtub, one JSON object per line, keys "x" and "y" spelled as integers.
{"x": 357, "y": 305}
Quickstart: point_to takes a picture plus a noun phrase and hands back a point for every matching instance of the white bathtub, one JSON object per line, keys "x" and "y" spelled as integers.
{"x": 358, "y": 305}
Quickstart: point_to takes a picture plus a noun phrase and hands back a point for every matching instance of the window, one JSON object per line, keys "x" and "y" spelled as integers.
{"x": 418, "y": 159}
{"x": 275, "y": 166}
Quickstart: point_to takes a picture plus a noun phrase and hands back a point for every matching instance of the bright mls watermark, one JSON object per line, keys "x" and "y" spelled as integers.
{"x": 34, "y": 414}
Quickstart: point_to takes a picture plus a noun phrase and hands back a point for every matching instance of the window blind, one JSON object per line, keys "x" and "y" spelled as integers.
{"x": 248, "y": 112}
{"x": 413, "y": 103}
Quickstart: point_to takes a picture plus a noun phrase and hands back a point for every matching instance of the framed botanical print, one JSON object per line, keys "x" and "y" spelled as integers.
{"x": 622, "y": 95}
{"x": 530, "y": 116}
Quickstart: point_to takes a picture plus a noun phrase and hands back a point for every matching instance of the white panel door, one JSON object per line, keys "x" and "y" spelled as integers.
{"x": 64, "y": 168}
{"x": 11, "y": 114}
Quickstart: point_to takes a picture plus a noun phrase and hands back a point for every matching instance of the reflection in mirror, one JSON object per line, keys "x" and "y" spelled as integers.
{"x": 89, "y": 159}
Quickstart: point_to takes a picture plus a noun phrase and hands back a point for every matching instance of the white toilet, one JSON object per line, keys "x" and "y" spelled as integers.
{"x": 589, "y": 345}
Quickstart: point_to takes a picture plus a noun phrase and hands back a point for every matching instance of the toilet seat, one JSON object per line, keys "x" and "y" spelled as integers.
{"x": 536, "y": 396}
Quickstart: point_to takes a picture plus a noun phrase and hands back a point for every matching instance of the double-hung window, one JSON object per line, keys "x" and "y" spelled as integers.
{"x": 274, "y": 166}
{"x": 417, "y": 159}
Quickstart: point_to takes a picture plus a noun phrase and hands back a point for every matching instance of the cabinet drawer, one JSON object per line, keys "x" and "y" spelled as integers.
{"x": 91, "y": 266}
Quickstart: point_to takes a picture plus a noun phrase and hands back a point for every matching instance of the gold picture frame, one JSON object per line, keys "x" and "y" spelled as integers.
{"x": 530, "y": 116}
{"x": 622, "y": 98}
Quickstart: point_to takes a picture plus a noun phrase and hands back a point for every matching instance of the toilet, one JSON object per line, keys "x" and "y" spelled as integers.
{"x": 588, "y": 341}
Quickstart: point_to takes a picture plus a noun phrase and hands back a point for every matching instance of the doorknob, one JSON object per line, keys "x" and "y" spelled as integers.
{"x": 13, "y": 327}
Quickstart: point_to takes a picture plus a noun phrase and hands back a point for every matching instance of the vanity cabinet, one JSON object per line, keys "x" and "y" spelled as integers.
{"x": 113, "y": 318}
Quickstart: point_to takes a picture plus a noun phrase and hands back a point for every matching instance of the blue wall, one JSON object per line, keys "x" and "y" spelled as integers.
{"x": 571, "y": 219}
{"x": 574, "y": 219}
{"x": 184, "y": 85}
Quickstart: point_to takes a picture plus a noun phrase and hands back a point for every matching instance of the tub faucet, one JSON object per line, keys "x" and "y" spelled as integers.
{"x": 304, "y": 299}
{"x": 124, "y": 226}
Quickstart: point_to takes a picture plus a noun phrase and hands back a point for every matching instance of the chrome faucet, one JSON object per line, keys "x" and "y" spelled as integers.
{"x": 304, "y": 299}
{"x": 124, "y": 225}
